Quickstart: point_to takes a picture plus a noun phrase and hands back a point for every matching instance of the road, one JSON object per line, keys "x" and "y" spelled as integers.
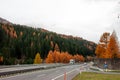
{"x": 58, "y": 73}
{"x": 24, "y": 68}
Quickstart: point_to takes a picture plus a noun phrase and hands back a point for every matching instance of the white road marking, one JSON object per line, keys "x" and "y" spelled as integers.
{"x": 83, "y": 69}
{"x": 57, "y": 77}
{"x": 63, "y": 74}
{"x": 41, "y": 75}
{"x": 57, "y": 71}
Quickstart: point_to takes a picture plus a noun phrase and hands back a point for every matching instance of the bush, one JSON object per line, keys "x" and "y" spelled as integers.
{"x": 9, "y": 61}
{"x": 28, "y": 61}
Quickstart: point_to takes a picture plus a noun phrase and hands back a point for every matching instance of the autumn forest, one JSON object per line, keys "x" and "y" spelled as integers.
{"x": 20, "y": 44}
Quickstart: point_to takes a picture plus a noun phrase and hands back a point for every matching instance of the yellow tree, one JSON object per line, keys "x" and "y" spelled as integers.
{"x": 113, "y": 47}
{"x": 37, "y": 59}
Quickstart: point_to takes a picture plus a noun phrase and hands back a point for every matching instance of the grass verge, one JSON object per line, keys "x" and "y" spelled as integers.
{"x": 117, "y": 71}
{"x": 96, "y": 76}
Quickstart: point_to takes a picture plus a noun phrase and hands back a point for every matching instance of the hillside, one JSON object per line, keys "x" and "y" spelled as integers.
{"x": 4, "y": 21}
{"x": 19, "y": 42}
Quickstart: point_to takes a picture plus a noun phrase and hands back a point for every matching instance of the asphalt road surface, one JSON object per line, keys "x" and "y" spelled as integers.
{"x": 58, "y": 73}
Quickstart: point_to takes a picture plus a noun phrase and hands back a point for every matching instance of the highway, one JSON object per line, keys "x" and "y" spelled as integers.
{"x": 58, "y": 73}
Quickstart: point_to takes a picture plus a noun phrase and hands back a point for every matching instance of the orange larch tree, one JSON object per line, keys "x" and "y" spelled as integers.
{"x": 62, "y": 57}
{"x": 113, "y": 47}
{"x": 78, "y": 58}
{"x": 56, "y": 55}
{"x": 65, "y": 57}
{"x": 108, "y": 46}
{"x": 102, "y": 46}
{"x": 100, "y": 51}
{"x": 50, "y": 58}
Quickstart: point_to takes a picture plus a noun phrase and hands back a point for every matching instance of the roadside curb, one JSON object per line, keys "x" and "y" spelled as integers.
{"x": 95, "y": 68}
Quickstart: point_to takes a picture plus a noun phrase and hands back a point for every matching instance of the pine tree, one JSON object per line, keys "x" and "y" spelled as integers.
{"x": 56, "y": 47}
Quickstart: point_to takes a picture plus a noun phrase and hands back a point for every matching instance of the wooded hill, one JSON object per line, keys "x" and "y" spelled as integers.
{"x": 19, "y": 42}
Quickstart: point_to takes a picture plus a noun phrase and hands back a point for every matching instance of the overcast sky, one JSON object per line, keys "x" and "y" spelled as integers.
{"x": 83, "y": 18}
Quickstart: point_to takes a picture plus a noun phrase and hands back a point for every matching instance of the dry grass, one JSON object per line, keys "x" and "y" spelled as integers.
{"x": 96, "y": 76}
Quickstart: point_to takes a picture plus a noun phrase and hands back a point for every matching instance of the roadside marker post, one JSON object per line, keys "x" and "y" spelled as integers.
{"x": 65, "y": 76}
{"x": 81, "y": 69}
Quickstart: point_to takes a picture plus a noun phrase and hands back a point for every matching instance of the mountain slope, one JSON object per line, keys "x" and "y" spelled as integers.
{"x": 23, "y": 42}
{"x": 4, "y": 21}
